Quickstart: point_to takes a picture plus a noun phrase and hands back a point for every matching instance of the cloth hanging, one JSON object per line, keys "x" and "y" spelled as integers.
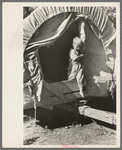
{"x": 45, "y": 25}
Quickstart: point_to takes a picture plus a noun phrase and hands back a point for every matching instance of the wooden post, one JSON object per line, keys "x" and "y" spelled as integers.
{"x": 104, "y": 116}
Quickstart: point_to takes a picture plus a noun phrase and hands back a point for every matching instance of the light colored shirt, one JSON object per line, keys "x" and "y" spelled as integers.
{"x": 73, "y": 54}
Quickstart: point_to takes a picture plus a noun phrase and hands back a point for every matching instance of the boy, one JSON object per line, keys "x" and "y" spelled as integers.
{"x": 76, "y": 58}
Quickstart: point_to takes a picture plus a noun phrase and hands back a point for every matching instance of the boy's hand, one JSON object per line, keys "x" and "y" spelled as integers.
{"x": 78, "y": 58}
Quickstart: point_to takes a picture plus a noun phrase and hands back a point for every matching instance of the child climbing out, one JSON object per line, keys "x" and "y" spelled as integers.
{"x": 76, "y": 59}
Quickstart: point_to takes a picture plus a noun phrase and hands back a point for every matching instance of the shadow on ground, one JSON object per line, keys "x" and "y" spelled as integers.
{"x": 105, "y": 104}
{"x": 57, "y": 117}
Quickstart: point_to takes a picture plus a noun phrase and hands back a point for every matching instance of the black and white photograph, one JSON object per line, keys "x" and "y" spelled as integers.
{"x": 70, "y": 75}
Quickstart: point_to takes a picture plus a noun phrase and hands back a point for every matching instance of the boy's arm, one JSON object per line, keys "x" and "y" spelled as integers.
{"x": 78, "y": 58}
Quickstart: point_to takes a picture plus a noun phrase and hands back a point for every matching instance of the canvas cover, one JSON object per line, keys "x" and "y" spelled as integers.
{"x": 46, "y": 25}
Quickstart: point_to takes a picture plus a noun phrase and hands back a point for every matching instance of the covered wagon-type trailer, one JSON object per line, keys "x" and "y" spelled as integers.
{"x": 47, "y": 38}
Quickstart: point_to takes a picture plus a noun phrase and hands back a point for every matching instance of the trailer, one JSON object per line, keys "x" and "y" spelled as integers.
{"x": 47, "y": 39}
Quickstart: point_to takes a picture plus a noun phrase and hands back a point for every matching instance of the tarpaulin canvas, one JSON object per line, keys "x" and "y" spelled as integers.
{"x": 47, "y": 25}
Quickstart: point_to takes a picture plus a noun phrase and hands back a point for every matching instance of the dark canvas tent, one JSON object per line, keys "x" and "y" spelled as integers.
{"x": 50, "y": 30}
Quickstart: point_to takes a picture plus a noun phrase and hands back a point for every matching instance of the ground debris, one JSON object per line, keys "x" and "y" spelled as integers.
{"x": 90, "y": 134}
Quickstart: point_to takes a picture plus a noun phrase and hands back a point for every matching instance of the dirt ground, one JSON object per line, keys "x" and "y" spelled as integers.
{"x": 60, "y": 127}
{"x": 90, "y": 134}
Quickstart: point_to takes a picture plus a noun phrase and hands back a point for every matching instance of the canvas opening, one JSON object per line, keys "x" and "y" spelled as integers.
{"x": 55, "y": 59}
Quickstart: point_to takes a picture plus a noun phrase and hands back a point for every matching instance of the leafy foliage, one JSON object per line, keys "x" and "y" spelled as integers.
{"x": 111, "y": 13}
{"x": 27, "y": 11}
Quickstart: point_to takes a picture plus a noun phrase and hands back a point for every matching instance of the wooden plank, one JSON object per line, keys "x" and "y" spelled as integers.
{"x": 55, "y": 101}
{"x": 98, "y": 114}
{"x": 52, "y": 94}
{"x": 66, "y": 86}
{"x": 46, "y": 93}
{"x": 74, "y": 95}
{"x": 39, "y": 104}
{"x": 54, "y": 90}
{"x": 50, "y": 99}
{"x": 50, "y": 107}
{"x": 69, "y": 96}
